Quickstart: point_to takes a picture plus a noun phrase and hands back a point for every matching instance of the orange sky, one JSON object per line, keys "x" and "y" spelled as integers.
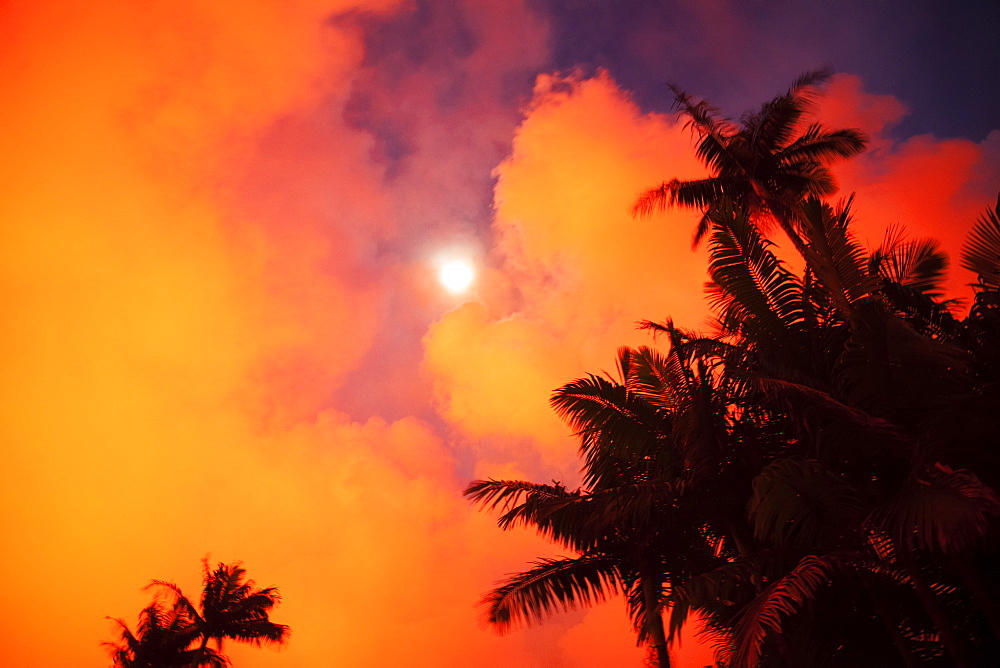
{"x": 206, "y": 349}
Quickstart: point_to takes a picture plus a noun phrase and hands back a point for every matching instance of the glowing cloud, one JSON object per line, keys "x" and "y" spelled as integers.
{"x": 210, "y": 249}
{"x": 576, "y": 271}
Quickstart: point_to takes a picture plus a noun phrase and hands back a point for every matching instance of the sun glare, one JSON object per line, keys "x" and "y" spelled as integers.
{"x": 456, "y": 275}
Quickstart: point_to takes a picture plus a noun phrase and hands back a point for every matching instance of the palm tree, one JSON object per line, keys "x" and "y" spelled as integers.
{"x": 653, "y": 486}
{"x": 229, "y": 608}
{"x": 885, "y": 482}
{"x": 614, "y": 546}
{"x": 178, "y": 634}
{"x": 817, "y": 481}
{"x": 161, "y": 640}
{"x": 877, "y": 493}
{"x": 766, "y": 164}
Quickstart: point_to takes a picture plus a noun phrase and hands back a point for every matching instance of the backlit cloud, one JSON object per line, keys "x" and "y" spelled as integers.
{"x": 223, "y": 335}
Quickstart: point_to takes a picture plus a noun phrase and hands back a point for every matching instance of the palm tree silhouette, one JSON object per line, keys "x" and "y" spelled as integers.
{"x": 161, "y": 640}
{"x": 639, "y": 523}
{"x": 766, "y": 164}
{"x": 817, "y": 481}
{"x": 875, "y": 488}
{"x": 229, "y": 608}
{"x": 179, "y": 634}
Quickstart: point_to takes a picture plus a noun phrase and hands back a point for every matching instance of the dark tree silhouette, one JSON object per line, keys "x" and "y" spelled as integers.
{"x": 652, "y": 443}
{"x": 876, "y": 491}
{"x": 766, "y": 164}
{"x": 230, "y": 607}
{"x": 817, "y": 479}
{"x": 161, "y": 640}
{"x": 606, "y": 523}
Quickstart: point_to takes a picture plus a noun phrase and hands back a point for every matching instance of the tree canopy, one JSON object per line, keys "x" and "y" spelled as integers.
{"x": 815, "y": 479}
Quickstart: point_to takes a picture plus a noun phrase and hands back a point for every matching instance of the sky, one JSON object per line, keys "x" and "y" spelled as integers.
{"x": 223, "y": 333}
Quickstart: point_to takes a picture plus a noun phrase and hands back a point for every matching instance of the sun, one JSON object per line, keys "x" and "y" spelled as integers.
{"x": 456, "y": 275}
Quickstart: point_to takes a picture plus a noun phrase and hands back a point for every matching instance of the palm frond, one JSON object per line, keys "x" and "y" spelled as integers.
{"x": 837, "y": 431}
{"x": 697, "y": 194}
{"x": 617, "y": 429}
{"x": 797, "y": 395}
{"x": 703, "y": 193}
{"x": 892, "y": 371}
{"x": 817, "y": 145}
{"x": 718, "y": 590}
{"x": 944, "y": 510}
{"x": 121, "y": 651}
{"x": 751, "y": 289}
{"x": 207, "y": 658}
{"x": 696, "y": 345}
{"x": 654, "y": 200}
{"x": 773, "y": 125}
{"x": 800, "y": 502}
{"x": 777, "y": 121}
{"x": 570, "y": 522}
{"x": 634, "y": 505}
{"x": 644, "y": 599}
{"x": 809, "y": 80}
{"x": 715, "y": 134}
{"x": 552, "y": 585}
{"x": 981, "y": 253}
{"x": 259, "y": 632}
{"x": 489, "y": 494}
{"x": 181, "y": 602}
{"x": 702, "y": 117}
{"x": 835, "y": 257}
{"x": 655, "y": 377}
{"x": 918, "y": 264}
{"x": 690, "y": 381}
{"x": 785, "y": 598}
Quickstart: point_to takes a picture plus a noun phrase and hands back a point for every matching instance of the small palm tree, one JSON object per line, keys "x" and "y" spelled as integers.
{"x": 766, "y": 164}
{"x": 230, "y": 608}
{"x": 161, "y": 640}
{"x": 179, "y": 635}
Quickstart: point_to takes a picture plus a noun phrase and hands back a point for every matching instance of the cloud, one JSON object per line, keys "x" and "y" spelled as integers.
{"x": 933, "y": 186}
{"x": 148, "y": 334}
{"x": 195, "y": 269}
{"x": 574, "y": 271}
{"x": 221, "y": 336}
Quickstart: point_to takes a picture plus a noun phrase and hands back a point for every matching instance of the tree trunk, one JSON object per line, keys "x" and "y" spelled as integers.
{"x": 657, "y": 638}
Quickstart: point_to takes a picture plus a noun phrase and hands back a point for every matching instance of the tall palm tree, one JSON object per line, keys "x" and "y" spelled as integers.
{"x": 886, "y": 481}
{"x": 766, "y": 163}
{"x": 230, "y": 607}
